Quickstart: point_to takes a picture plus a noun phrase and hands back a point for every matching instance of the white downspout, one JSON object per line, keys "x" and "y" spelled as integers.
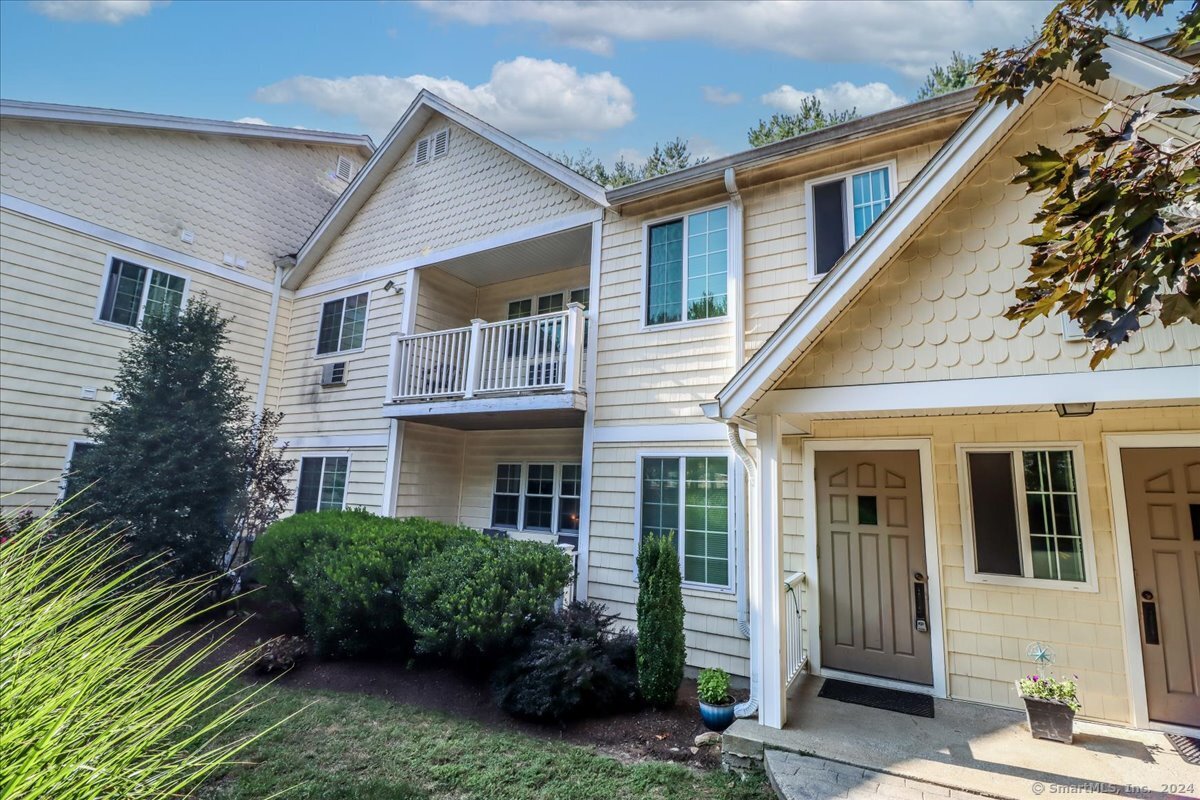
{"x": 745, "y": 622}
{"x": 260, "y": 399}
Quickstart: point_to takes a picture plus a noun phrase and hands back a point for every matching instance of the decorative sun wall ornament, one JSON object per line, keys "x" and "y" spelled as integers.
{"x": 1040, "y": 654}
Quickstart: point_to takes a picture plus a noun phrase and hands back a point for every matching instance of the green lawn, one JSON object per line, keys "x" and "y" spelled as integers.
{"x": 364, "y": 748}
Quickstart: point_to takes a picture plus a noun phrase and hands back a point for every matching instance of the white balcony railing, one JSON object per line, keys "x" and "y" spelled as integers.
{"x": 535, "y": 354}
{"x": 793, "y": 634}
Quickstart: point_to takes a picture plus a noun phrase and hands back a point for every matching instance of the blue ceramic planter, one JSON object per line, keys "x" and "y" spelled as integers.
{"x": 716, "y": 718}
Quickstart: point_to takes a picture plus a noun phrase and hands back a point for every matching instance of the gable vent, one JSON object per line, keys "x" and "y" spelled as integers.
{"x": 334, "y": 374}
{"x": 441, "y": 143}
{"x": 422, "y": 151}
{"x": 344, "y": 169}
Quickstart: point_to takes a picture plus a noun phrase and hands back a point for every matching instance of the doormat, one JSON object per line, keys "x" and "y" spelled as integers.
{"x": 1187, "y": 747}
{"x": 911, "y": 703}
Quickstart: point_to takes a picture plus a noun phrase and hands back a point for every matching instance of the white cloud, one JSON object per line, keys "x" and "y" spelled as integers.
{"x": 252, "y": 121}
{"x": 524, "y": 97}
{"x": 841, "y": 96}
{"x": 909, "y": 36}
{"x": 721, "y": 97}
{"x": 111, "y": 12}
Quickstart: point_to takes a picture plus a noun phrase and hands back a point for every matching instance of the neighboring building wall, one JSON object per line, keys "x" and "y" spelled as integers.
{"x": 51, "y": 280}
{"x": 989, "y": 627}
{"x": 476, "y": 190}
{"x": 251, "y": 198}
{"x": 937, "y": 311}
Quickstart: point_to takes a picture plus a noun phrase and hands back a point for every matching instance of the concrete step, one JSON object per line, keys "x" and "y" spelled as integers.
{"x": 800, "y": 777}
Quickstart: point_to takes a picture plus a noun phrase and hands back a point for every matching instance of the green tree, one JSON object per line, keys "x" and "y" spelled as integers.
{"x": 1119, "y": 244}
{"x": 812, "y": 116}
{"x": 664, "y": 158}
{"x": 958, "y": 74}
{"x": 168, "y": 465}
{"x": 660, "y": 648}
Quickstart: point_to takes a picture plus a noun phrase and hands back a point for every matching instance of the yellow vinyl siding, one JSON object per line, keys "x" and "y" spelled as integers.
{"x": 989, "y": 627}
{"x": 50, "y": 281}
{"x": 492, "y": 304}
{"x": 255, "y": 199}
{"x": 431, "y": 469}
{"x": 475, "y": 191}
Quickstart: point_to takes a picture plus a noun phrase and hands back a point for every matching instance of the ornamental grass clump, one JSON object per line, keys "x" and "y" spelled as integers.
{"x": 102, "y": 693}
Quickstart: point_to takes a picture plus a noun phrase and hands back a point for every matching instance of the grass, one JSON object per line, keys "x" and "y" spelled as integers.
{"x": 350, "y": 746}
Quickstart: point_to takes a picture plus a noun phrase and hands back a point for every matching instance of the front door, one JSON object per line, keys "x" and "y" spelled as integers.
{"x": 871, "y": 562}
{"x": 1162, "y": 492}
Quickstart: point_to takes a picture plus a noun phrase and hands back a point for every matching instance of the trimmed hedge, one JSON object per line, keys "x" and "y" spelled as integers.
{"x": 661, "y": 650}
{"x": 345, "y": 571}
{"x": 483, "y": 598}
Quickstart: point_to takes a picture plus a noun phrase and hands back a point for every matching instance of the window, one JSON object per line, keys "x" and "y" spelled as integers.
{"x": 841, "y": 210}
{"x": 343, "y": 324}
{"x": 686, "y": 267}
{"x": 322, "y": 483}
{"x": 71, "y": 485}
{"x": 132, "y": 292}
{"x": 537, "y": 497}
{"x": 690, "y": 494}
{"x": 1025, "y": 516}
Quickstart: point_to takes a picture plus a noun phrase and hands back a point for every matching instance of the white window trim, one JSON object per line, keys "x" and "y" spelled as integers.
{"x": 349, "y": 456}
{"x": 733, "y": 515}
{"x": 321, "y": 316}
{"x": 810, "y": 220}
{"x": 554, "y": 504}
{"x": 66, "y": 470}
{"x": 139, "y": 262}
{"x": 533, "y": 300}
{"x": 644, "y": 305}
{"x": 1090, "y": 584}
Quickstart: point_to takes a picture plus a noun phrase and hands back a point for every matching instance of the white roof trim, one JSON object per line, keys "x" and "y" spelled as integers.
{"x": 1130, "y": 62}
{"x": 84, "y": 115}
{"x": 371, "y": 176}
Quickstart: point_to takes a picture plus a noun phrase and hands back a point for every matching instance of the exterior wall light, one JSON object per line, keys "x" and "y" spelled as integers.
{"x": 1075, "y": 409}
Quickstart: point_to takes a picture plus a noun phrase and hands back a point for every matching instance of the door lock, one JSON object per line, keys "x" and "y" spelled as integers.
{"x": 1150, "y": 617}
{"x": 920, "y": 622}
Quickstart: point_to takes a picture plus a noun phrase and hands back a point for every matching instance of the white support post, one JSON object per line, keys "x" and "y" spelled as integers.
{"x": 574, "y": 346}
{"x": 768, "y": 564}
{"x": 474, "y": 358}
{"x": 393, "y": 380}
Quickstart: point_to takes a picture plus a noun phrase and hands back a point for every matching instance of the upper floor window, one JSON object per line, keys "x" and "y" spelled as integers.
{"x": 840, "y": 211}
{"x": 687, "y": 264}
{"x": 343, "y": 324}
{"x": 132, "y": 292}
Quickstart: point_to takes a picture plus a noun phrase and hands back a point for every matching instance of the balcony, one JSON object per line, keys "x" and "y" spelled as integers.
{"x": 523, "y": 373}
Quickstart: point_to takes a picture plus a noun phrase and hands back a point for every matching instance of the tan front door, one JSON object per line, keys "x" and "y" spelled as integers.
{"x": 871, "y": 561}
{"x": 1162, "y": 492}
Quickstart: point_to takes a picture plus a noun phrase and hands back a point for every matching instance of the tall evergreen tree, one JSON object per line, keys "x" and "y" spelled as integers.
{"x": 810, "y": 117}
{"x": 674, "y": 155}
{"x": 958, "y": 74}
{"x": 661, "y": 650}
{"x": 167, "y": 468}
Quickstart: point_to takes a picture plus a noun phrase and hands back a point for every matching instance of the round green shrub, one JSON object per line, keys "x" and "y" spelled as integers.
{"x": 661, "y": 650}
{"x": 345, "y": 572}
{"x": 483, "y": 598}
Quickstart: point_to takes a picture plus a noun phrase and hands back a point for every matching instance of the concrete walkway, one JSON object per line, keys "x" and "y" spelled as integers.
{"x": 797, "y": 777}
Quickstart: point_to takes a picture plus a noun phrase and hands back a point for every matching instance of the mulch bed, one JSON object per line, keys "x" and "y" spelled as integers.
{"x": 648, "y": 734}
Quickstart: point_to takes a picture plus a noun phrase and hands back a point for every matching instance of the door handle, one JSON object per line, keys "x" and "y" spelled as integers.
{"x": 920, "y": 622}
{"x": 1150, "y": 617}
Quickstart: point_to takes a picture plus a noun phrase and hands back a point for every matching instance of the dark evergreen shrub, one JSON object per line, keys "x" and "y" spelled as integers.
{"x": 483, "y": 598}
{"x": 345, "y": 572}
{"x": 575, "y": 666}
{"x": 660, "y": 647}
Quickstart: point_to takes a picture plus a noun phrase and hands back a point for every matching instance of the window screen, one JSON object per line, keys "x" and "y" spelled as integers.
{"x": 994, "y": 514}
{"x": 829, "y": 224}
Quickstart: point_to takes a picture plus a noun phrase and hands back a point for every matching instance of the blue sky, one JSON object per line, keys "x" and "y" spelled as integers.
{"x": 614, "y": 77}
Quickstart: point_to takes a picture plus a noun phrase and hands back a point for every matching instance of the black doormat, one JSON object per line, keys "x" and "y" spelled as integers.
{"x": 917, "y": 705}
{"x": 1187, "y": 747}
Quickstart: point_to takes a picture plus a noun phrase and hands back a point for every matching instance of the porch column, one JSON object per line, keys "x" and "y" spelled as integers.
{"x": 769, "y": 564}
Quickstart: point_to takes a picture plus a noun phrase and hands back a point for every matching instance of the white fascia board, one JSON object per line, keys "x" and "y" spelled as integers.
{"x": 1148, "y": 385}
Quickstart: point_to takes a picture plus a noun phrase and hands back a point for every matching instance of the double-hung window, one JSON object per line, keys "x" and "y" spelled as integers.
{"x": 840, "y": 209}
{"x": 537, "y": 497}
{"x": 322, "y": 483}
{"x": 688, "y": 497}
{"x": 687, "y": 265}
{"x": 133, "y": 292}
{"x": 1025, "y": 517}
{"x": 343, "y": 324}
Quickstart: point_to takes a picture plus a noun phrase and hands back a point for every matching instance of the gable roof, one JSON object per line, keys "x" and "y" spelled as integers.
{"x": 1133, "y": 63}
{"x": 422, "y": 109}
{"x": 114, "y": 118}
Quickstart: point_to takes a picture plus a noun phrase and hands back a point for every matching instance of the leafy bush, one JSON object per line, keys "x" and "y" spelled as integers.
{"x": 1047, "y": 688}
{"x": 102, "y": 693}
{"x": 712, "y": 686}
{"x": 345, "y": 572}
{"x": 660, "y": 649}
{"x": 483, "y": 598}
{"x": 574, "y": 666}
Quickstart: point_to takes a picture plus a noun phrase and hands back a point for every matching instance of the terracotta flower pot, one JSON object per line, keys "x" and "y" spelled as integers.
{"x": 717, "y": 717}
{"x": 1049, "y": 719}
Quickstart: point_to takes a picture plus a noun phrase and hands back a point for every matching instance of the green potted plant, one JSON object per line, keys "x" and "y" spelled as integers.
{"x": 716, "y": 704}
{"x": 1050, "y": 706}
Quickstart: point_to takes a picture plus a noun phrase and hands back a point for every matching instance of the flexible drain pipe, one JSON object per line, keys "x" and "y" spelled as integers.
{"x": 750, "y": 707}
